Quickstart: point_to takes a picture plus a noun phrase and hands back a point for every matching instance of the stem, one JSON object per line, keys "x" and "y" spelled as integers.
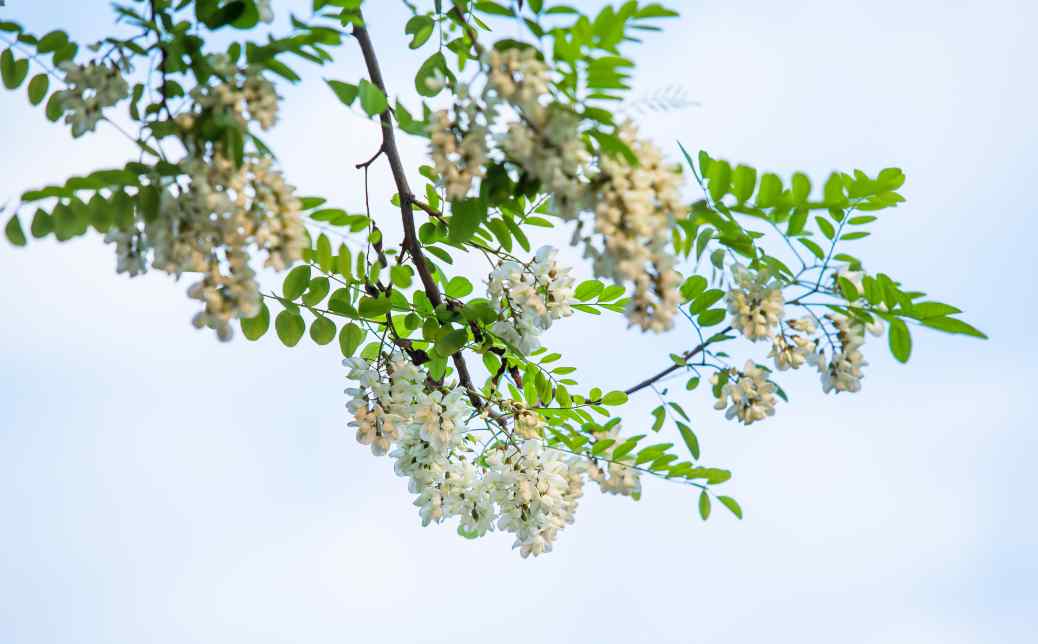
{"x": 674, "y": 367}
{"x": 411, "y": 243}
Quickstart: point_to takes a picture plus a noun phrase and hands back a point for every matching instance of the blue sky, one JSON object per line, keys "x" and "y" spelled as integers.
{"x": 159, "y": 486}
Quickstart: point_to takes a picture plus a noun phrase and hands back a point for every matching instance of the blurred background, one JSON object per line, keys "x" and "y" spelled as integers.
{"x": 158, "y": 486}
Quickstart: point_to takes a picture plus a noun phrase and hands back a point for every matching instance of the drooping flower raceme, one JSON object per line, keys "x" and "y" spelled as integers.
{"x": 613, "y": 477}
{"x": 524, "y": 488}
{"x": 755, "y": 303}
{"x": 747, "y": 395}
{"x": 91, "y": 88}
{"x": 843, "y": 371}
{"x": 530, "y": 297}
{"x": 635, "y": 208}
{"x": 634, "y": 203}
{"x": 458, "y": 147}
{"x": 212, "y": 216}
{"x": 792, "y": 349}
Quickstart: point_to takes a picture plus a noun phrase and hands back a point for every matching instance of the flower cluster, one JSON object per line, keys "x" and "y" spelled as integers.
{"x": 843, "y": 371}
{"x": 755, "y": 304}
{"x": 793, "y": 349}
{"x": 536, "y": 490}
{"x": 635, "y": 208}
{"x": 747, "y": 394}
{"x": 458, "y": 147}
{"x": 91, "y": 88}
{"x": 613, "y": 477}
{"x": 634, "y": 204}
{"x": 217, "y": 211}
{"x": 545, "y": 140}
{"x": 530, "y": 297}
{"x": 523, "y": 488}
{"x": 243, "y": 94}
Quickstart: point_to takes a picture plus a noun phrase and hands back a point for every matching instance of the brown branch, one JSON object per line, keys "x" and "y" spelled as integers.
{"x": 411, "y": 243}
{"x": 672, "y": 368}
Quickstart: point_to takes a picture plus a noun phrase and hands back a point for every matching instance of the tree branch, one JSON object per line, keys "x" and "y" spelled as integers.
{"x": 411, "y": 243}
{"x": 672, "y": 368}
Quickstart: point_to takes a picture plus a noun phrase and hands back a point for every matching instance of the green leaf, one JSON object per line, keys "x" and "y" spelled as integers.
{"x": 253, "y": 328}
{"x": 290, "y": 327}
{"x": 38, "y": 88}
{"x": 42, "y": 224}
{"x": 458, "y": 287}
{"x": 466, "y": 216}
{"x": 614, "y": 398}
{"x": 704, "y": 505}
{"x": 951, "y": 325}
{"x": 400, "y": 275}
{"x": 731, "y": 504}
{"x": 324, "y": 253}
{"x": 719, "y": 175}
{"x": 770, "y": 190}
{"x": 316, "y": 290}
{"x": 372, "y": 100}
{"x": 712, "y": 317}
{"x": 801, "y": 188}
{"x": 373, "y": 308}
{"x": 54, "y": 108}
{"x": 432, "y": 64}
{"x": 350, "y": 338}
{"x": 588, "y": 290}
{"x": 52, "y": 41}
{"x": 12, "y": 70}
{"x": 692, "y": 287}
{"x": 849, "y": 290}
{"x": 826, "y": 227}
{"x": 322, "y": 331}
{"x": 14, "y": 231}
{"x": 815, "y": 249}
{"x": 659, "y": 415}
{"x": 744, "y": 180}
{"x": 900, "y": 340}
{"x": 450, "y": 342}
{"x": 420, "y": 28}
{"x": 690, "y": 439}
{"x": 705, "y": 300}
{"x": 296, "y": 282}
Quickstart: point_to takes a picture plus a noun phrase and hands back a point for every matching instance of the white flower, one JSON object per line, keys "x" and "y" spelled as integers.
{"x": 91, "y": 89}
{"x": 747, "y": 395}
{"x": 266, "y": 13}
{"x": 458, "y": 150}
{"x": 613, "y": 477}
{"x": 636, "y": 206}
{"x": 756, "y": 305}
{"x": 792, "y": 350}
{"x": 530, "y": 298}
{"x": 843, "y": 372}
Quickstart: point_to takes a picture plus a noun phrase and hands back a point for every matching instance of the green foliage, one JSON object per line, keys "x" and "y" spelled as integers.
{"x": 253, "y": 328}
{"x": 290, "y": 327}
{"x": 385, "y": 300}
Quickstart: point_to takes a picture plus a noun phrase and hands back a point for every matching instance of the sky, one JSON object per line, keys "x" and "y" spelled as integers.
{"x": 156, "y": 485}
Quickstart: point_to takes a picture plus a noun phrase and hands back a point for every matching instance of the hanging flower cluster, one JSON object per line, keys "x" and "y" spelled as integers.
{"x": 209, "y": 221}
{"x": 91, "y": 88}
{"x": 530, "y": 298}
{"x": 613, "y": 477}
{"x": 755, "y": 304}
{"x": 794, "y": 348}
{"x": 633, "y": 204}
{"x": 747, "y": 394}
{"x": 843, "y": 371}
{"x": 636, "y": 206}
{"x": 516, "y": 485}
{"x": 458, "y": 147}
